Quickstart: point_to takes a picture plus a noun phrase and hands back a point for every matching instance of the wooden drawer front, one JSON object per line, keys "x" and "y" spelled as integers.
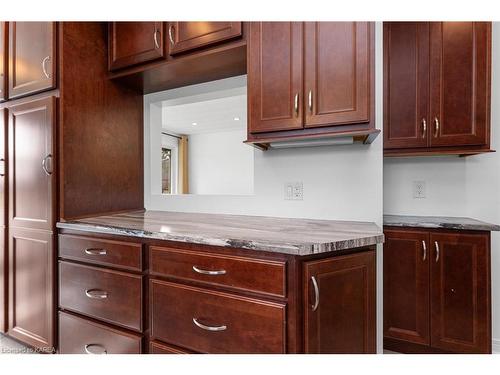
{"x": 160, "y": 348}
{"x": 81, "y": 336}
{"x": 98, "y": 251}
{"x": 256, "y": 275}
{"x": 195, "y": 318}
{"x": 112, "y": 296}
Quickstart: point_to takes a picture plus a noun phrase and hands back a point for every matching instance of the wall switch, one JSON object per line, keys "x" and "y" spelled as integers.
{"x": 418, "y": 189}
{"x": 288, "y": 191}
{"x": 294, "y": 191}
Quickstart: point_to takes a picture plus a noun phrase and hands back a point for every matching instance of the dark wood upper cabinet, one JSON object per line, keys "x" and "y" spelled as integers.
{"x": 132, "y": 43}
{"x": 32, "y": 57}
{"x": 337, "y": 73}
{"x": 339, "y": 304}
{"x": 406, "y": 285}
{"x": 3, "y": 60}
{"x": 3, "y": 168}
{"x": 32, "y": 166}
{"x": 460, "y": 83}
{"x": 275, "y": 76}
{"x": 188, "y": 36}
{"x": 460, "y": 292}
{"x": 406, "y": 84}
{"x": 437, "y": 87}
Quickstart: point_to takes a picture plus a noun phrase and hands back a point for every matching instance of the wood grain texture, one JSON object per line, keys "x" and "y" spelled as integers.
{"x": 156, "y": 347}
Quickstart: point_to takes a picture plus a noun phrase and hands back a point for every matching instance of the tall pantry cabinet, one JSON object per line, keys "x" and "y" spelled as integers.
{"x": 55, "y": 126}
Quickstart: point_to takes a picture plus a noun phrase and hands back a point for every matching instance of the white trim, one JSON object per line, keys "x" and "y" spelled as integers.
{"x": 495, "y": 346}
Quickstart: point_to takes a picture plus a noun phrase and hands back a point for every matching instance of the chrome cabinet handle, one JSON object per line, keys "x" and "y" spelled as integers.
{"x": 209, "y": 328}
{"x": 88, "y": 351}
{"x": 316, "y": 294}
{"x": 424, "y": 127}
{"x": 171, "y": 34}
{"x": 437, "y": 251}
{"x": 2, "y": 170}
{"x": 424, "y": 247}
{"x": 155, "y": 38}
{"x": 96, "y": 294}
{"x": 207, "y": 272}
{"x": 44, "y": 67}
{"x": 296, "y": 104}
{"x": 310, "y": 100}
{"x": 44, "y": 164}
{"x": 94, "y": 251}
{"x": 436, "y": 127}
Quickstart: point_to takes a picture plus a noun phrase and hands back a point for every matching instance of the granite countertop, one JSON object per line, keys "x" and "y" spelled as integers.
{"x": 439, "y": 222}
{"x": 281, "y": 235}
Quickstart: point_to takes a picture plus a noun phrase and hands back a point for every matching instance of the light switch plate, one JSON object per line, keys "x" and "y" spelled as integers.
{"x": 418, "y": 189}
{"x": 294, "y": 191}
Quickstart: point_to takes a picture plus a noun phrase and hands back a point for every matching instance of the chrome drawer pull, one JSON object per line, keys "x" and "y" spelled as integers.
{"x": 155, "y": 38}
{"x": 437, "y": 251}
{"x": 424, "y": 246}
{"x": 44, "y": 164}
{"x": 206, "y": 272}
{"x": 208, "y": 328}
{"x": 88, "y": 351}
{"x": 96, "y": 294}
{"x": 95, "y": 251}
{"x": 316, "y": 294}
{"x": 44, "y": 66}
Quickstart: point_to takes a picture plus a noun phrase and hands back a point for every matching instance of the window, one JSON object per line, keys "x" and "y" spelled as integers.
{"x": 166, "y": 171}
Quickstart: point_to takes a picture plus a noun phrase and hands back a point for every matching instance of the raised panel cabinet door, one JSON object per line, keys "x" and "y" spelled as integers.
{"x": 275, "y": 76}
{"x": 31, "y": 287}
{"x": 3, "y": 281}
{"x": 187, "y": 36}
{"x": 406, "y": 84}
{"x": 32, "y": 57}
{"x": 338, "y": 71}
{"x": 460, "y": 292}
{"x": 3, "y": 168}
{"x": 406, "y": 285}
{"x": 32, "y": 166}
{"x": 339, "y": 304}
{"x": 3, "y": 60}
{"x": 132, "y": 43}
{"x": 460, "y": 55}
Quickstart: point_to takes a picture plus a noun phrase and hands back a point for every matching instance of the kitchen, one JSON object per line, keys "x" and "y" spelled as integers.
{"x": 250, "y": 187}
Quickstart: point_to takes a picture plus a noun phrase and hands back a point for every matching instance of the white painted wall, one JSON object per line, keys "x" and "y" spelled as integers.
{"x": 456, "y": 186}
{"x": 220, "y": 163}
{"x": 340, "y": 182}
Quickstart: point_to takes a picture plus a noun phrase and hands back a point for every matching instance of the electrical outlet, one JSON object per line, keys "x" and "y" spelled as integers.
{"x": 418, "y": 189}
{"x": 294, "y": 191}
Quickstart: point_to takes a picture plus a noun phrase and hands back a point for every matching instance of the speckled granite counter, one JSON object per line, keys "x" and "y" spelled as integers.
{"x": 283, "y": 235}
{"x": 439, "y": 222}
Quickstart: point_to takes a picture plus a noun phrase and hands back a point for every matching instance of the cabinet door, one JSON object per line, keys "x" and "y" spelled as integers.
{"x": 32, "y": 59}
{"x": 32, "y": 164}
{"x": 406, "y": 285}
{"x": 337, "y": 72}
{"x": 460, "y": 292}
{"x": 31, "y": 287}
{"x": 3, "y": 55}
{"x": 132, "y": 43}
{"x": 406, "y": 84}
{"x": 275, "y": 76}
{"x": 460, "y": 83}
{"x": 187, "y": 36}
{"x": 3, "y": 247}
{"x": 339, "y": 304}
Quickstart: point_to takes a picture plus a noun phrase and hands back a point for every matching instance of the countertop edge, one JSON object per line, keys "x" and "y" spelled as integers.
{"x": 432, "y": 222}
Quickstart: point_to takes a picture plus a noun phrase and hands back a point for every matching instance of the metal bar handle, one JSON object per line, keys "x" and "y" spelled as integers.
{"x": 316, "y": 294}
{"x": 96, "y": 294}
{"x": 155, "y": 38}
{"x": 95, "y": 251}
{"x": 310, "y": 100}
{"x": 436, "y": 127}
{"x": 44, "y": 67}
{"x": 88, "y": 351}
{"x": 207, "y": 272}
{"x": 424, "y": 247}
{"x": 437, "y": 251}
{"x": 296, "y": 104}
{"x": 209, "y": 328}
{"x": 2, "y": 169}
{"x": 44, "y": 164}
{"x": 424, "y": 127}
{"x": 171, "y": 34}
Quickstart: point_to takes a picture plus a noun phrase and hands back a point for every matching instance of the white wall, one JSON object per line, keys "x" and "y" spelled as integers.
{"x": 456, "y": 186}
{"x": 220, "y": 163}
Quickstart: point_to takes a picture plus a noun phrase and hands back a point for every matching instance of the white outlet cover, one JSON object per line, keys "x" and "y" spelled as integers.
{"x": 419, "y": 189}
{"x": 298, "y": 191}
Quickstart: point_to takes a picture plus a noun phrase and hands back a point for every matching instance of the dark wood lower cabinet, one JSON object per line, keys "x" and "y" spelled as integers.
{"x": 437, "y": 291}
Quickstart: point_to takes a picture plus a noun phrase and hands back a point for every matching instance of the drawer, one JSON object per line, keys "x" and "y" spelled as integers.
{"x": 112, "y": 296}
{"x": 256, "y": 275}
{"x": 126, "y": 255}
{"x": 214, "y": 322}
{"x": 160, "y": 348}
{"x": 81, "y": 336}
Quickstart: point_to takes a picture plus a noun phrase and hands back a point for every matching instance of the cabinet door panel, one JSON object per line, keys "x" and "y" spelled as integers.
{"x": 460, "y": 89}
{"x": 406, "y": 84}
{"x": 31, "y": 287}
{"x": 132, "y": 43}
{"x": 3, "y": 55}
{"x": 337, "y": 73}
{"x": 3, "y": 281}
{"x": 460, "y": 292}
{"x": 32, "y": 58}
{"x": 32, "y": 164}
{"x": 275, "y": 76}
{"x": 406, "y": 285}
{"x": 344, "y": 318}
{"x": 187, "y": 36}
